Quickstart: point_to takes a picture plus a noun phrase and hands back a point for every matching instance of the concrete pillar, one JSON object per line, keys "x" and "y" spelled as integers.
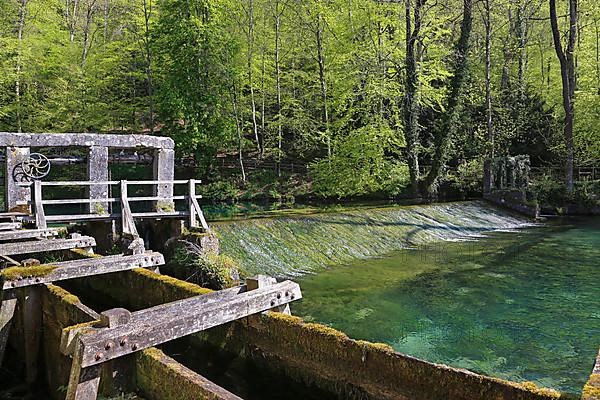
{"x": 164, "y": 170}
{"x": 97, "y": 171}
{"x": 17, "y": 198}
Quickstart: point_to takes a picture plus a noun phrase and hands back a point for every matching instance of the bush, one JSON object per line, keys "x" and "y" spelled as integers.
{"x": 189, "y": 262}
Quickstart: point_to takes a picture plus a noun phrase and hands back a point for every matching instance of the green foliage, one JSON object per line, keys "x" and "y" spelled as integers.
{"x": 360, "y": 165}
{"x": 467, "y": 179}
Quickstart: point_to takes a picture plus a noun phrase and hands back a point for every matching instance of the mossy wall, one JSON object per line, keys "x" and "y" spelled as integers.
{"x": 159, "y": 377}
{"x": 591, "y": 391}
{"x": 60, "y": 309}
{"x": 321, "y": 357}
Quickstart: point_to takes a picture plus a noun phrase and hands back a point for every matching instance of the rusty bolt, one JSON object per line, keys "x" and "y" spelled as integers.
{"x": 272, "y": 302}
{"x": 123, "y": 342}
{"x": 109, "y": 345}
{"x": 278, "y": 295}
{"x": 134, "y": 346}
{"x": 287, "y": 294}
{"x": 98, "y": 356}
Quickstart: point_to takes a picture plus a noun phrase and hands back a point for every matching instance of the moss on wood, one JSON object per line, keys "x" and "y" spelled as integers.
{"x": 16, "y": 273}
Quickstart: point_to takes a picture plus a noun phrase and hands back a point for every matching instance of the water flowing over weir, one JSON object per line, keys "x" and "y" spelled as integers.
{"x": 294, "y": 246}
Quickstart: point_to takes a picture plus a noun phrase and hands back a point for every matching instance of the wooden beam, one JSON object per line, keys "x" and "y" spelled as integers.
{"x": 85, "y": 381}
{"x": 30, "y": 306}
{"x": 7, "y": 226}
{"x": 167, "y": 322}
{"x": 42, "y": 246}
{"x": 7, "y": 311}
{"x": 102, "y": 217}
{"x": 38, "y": 207}
{"x": 10, "y": 139}
{"x": 29, "y": 234}
{"x": 80, "y": 268}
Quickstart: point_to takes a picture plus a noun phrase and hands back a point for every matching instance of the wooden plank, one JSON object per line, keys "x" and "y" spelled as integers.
{"x": 79, "y": 183}
{"x": 41, "y": 246}
{"x": 102, "y": 217}
{"x": 108, "y": 199}
{"x": 29, "y": 234}
{"x": 7, "y": 311}
{"x": 40, "y": 216}
{"x": 80, "y": 268}
{"x": 85, "y": 381}
{"x": 7, "y": 226}
{"x": 30, "y": 306}
{"x": 149, "y": 327}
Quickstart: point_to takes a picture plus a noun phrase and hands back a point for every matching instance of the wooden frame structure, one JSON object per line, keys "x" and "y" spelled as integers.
{"x": 119, "y": 333}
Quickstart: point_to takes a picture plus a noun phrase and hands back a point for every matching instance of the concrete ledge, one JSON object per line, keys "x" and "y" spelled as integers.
{"x": 591, "y": 390}
{"x": 9, "y": 139}
{"x": 159, "y": 377}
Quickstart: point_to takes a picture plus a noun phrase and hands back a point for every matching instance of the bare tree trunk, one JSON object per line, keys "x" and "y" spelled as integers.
{"x": 71, "y": 7}
{"x": 567, "y": 69}
{"x": 411, "y": 101}
{"x": 106, "y": 15}
{"x": 147, "y": 4}
{"x": 19, "y": 66}
{"x": 277, "y": 13}
{"x": 89, "y": 18}
{"x": 238, "y": 128}
{"x": 488, "y": 177}
{"x": 323, "y": 81}
{"x": 250, "y": 74}
{"x": 597, "y": 56}
{"x": 443, "y": 138}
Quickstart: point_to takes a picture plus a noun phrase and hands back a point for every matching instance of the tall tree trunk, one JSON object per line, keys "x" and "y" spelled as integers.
{"x": 323, "y": 81}
{"x": 147, "y": 4}
{"x": 567, "y": 69}
{"x": 277, "y": 12}
{"x": 71, "y": 7}
{"x": 488, "y": 174}
{"x": 411, "y": 108}
{"x": 442, "y": 142}
{"x": 89, "y": 18}
{"x": 238, "y": 128}
{"x": 19, "y": 66}
{"x": 250, "y": 74}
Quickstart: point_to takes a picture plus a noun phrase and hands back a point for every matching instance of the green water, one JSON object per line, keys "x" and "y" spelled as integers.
{"x": 521, "y": 305}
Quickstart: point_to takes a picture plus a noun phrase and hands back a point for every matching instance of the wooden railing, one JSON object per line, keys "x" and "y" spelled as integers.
{"x": 101, "y": 207}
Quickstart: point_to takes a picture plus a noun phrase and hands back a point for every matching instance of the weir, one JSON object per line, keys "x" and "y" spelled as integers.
{"x": 83, "y": 324}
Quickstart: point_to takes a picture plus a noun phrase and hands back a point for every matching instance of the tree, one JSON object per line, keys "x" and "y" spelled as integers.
{"x": 411, "y": 101}
{"x": 452, "y": 114}
{"x": 566, "y": 58}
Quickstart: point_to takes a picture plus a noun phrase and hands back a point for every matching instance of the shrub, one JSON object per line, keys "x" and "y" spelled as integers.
{"x": 189, "y": 262}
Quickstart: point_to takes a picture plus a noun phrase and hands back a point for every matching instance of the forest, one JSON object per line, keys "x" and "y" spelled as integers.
{"x": 369, "y": 98}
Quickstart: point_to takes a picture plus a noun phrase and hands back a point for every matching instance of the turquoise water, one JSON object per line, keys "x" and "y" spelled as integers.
{"x": 521, "y": 305}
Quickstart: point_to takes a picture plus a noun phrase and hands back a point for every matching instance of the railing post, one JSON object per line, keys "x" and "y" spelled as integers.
{"x": 40, "y": 217}
{"x": 195, "y": 210}
{"x": 192, "y": 195}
